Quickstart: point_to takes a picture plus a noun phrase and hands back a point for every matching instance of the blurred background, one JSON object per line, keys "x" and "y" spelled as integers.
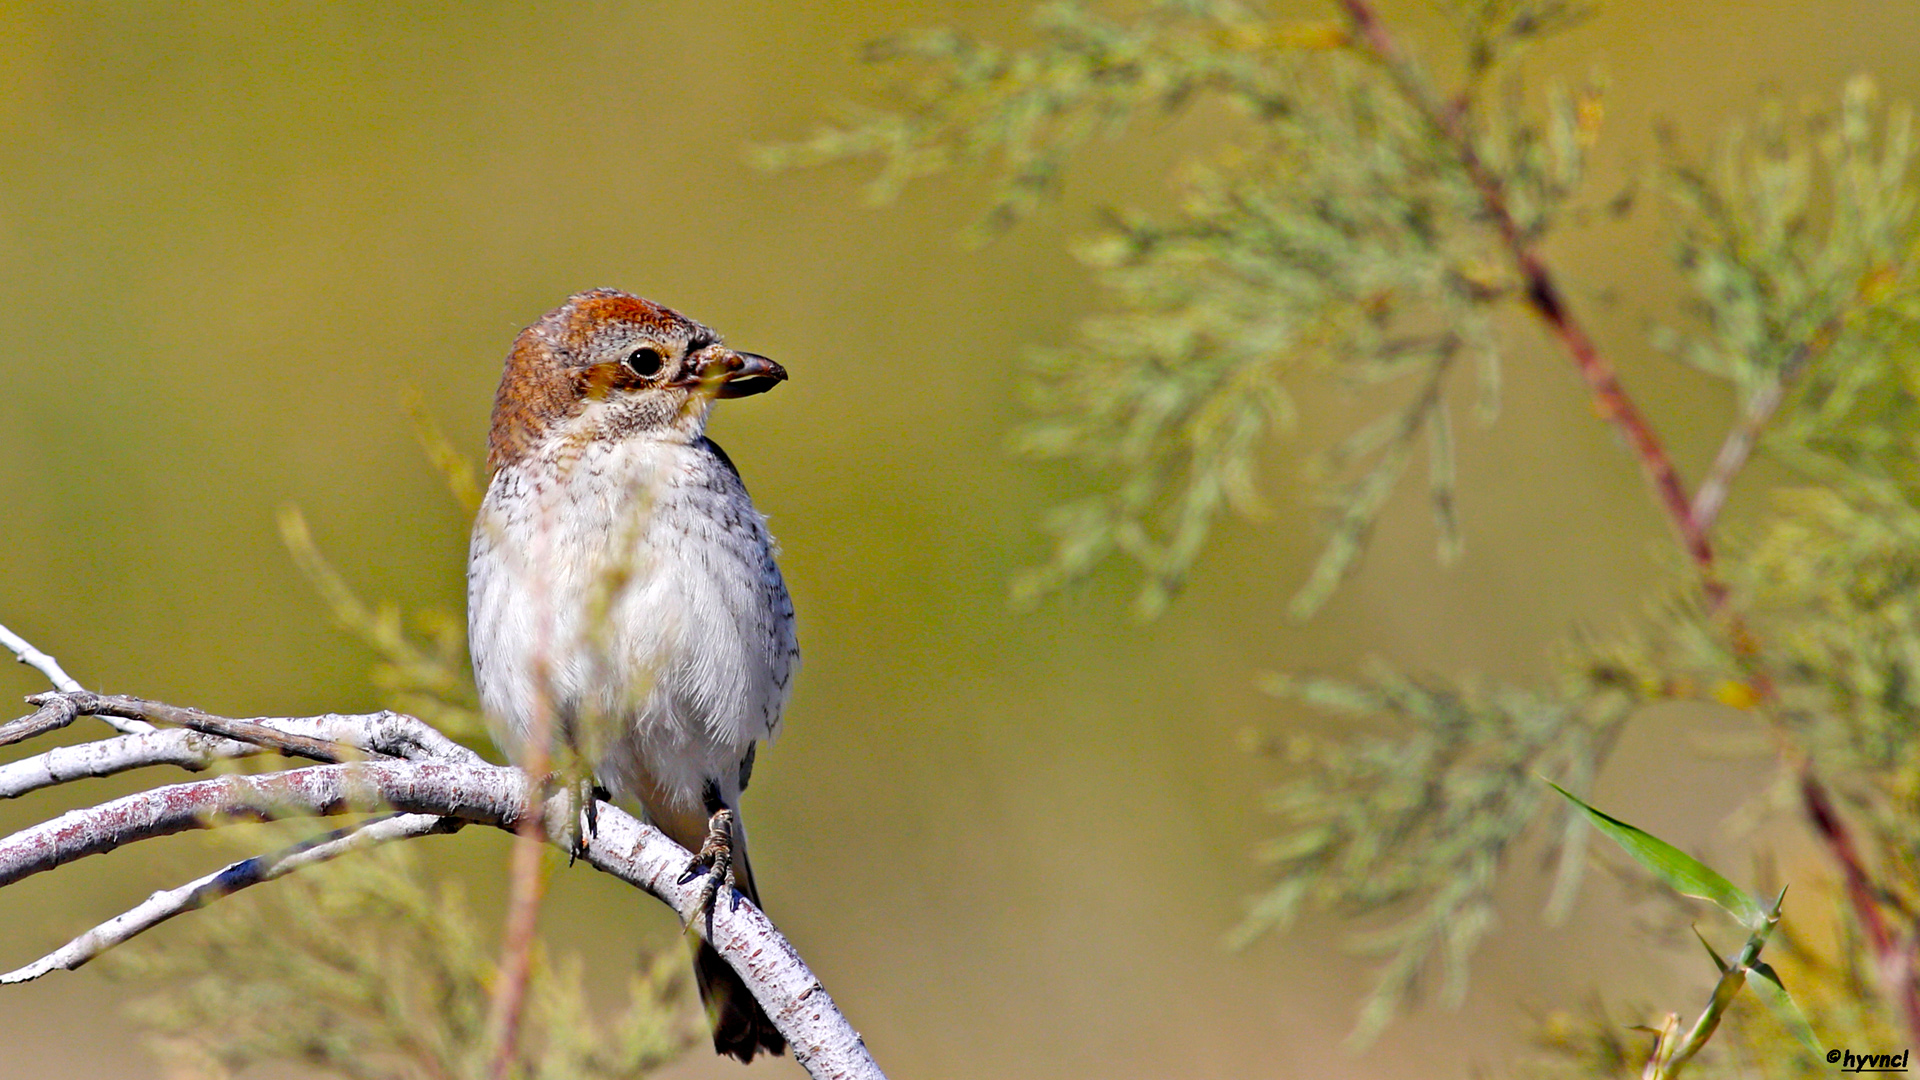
{"x": 234, "y": 238}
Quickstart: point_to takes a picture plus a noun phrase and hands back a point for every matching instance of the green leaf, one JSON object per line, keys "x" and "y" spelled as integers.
{"x": 1774, "y": 993}
{"x": 1717, "y": 962}
{"x": 1682, "y": 872}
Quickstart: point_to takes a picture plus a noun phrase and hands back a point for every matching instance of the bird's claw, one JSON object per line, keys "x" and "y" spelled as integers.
{"x": 715, "y": 858}
{"x": 587, "y": 825}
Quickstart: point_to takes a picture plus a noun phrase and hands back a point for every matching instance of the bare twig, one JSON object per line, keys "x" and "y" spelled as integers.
{"x": 188, "y": 750}
{"x": 51, "y": 716}
{"x": 389, "y": 734}
{"x": 48, "y": 666}
{"x": 1745, "y": 435}
{"x": 205, "y": 804}
{"x": 1735, "y": 450}
{"x": 86, "y": 703}
{"x": 37, "y": 660}
{"x": 244, "y": 874}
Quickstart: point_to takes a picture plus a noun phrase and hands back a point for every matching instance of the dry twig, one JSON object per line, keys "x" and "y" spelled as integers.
{"x": 48, "y": 666}
{"x": 385, "y": 763}
{"x": 222, "y": 883}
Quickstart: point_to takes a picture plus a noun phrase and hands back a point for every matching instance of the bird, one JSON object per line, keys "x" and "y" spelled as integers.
{"x": 623, "y": 598}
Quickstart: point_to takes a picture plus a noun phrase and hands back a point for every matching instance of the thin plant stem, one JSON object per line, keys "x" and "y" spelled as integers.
{"x": 526, "y": 882}
{"x": 1690, "y": 519}
{"x": 1545, "y": 297}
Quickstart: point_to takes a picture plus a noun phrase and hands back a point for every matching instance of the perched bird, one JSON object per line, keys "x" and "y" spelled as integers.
{"x": 623, "y": 603}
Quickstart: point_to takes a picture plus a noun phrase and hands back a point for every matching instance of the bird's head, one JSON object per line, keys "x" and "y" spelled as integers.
{"x": 609, "y": 365}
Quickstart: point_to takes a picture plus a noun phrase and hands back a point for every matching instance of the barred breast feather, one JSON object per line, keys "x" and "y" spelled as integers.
{"x": 640, "y": 577}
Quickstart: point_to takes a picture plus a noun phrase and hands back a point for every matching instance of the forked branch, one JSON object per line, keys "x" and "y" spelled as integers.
{"x": 222, "y": 883}
{"x": 415, "y": 782}
{"x": 1546, "y": 298}
{"x": 1692, "y": 518}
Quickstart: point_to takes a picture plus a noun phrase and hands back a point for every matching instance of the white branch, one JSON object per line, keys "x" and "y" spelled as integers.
{"x": 52, "y": 716}
{"x": 486, "y": 793}
{"x": 63, "y": 682}
{"x": 821, "y": 1038}
{"x": 186, "y": 749}
{"x": 424, "y": 781}
{"x": 387, "y": 733}
{"x": 39, "y": 661}
{"x": 244, "y": 874}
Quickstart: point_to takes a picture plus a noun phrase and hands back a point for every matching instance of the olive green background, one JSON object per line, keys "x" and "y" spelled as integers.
{"x": 234, "y": 238}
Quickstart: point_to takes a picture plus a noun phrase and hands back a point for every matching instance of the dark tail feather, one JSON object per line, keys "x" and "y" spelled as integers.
{"x": 741, "y": 1027}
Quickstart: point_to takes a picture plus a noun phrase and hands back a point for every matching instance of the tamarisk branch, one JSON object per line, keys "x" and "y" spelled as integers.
{"x": 402, "y": 780}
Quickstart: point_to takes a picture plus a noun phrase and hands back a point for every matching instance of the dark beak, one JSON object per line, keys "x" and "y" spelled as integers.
{"x": 741, "y": 374}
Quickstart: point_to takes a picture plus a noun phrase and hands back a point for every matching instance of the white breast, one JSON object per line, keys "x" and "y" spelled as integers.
{"x": 639, "y": 578}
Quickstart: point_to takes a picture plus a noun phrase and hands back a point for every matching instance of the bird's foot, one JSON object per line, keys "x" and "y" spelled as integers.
{"x": 716, "y": 859}
{"x": 586, "y": 823}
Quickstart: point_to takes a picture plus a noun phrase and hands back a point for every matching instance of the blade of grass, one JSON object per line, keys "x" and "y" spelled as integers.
{"x": 1680, "y": 871}
{"x": 1774, "y": 993}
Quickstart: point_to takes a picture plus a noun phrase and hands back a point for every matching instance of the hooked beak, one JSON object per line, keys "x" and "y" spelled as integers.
{"x": 738, "y": 374}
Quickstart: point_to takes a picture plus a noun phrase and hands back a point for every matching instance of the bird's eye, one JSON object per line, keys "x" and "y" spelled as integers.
{"x": 645, "y": 361}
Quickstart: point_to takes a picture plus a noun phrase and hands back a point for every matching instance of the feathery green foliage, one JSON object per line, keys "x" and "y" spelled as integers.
{"x": 1416, "y": 818}
{"x": 1837, "y": 571}
{"x": 422, "y": 671}
{"x": 365, "y": 968}
{"x": 1792, "y": 239}
{"x": 1330, "y": 233}
{"x": 1358, "y": 222}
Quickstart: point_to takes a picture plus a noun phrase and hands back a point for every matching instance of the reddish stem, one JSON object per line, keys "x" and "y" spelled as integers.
{"x": 516, "y": 949}
{"x": 1544, "y": 296}
{"x": 1893, "y": 956}
{"x": 527, "y": 886}
{"x": 1611, "y": 401}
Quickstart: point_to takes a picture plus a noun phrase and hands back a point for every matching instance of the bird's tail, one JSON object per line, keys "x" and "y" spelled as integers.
{"x": 741, "y": 1028}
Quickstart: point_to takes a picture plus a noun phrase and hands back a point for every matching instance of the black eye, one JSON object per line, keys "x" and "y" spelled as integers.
{"x": 645, "y": 361}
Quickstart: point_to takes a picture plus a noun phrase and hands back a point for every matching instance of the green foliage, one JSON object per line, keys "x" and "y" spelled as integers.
{"x": 1690, "y": 877}
{"x": 1836, "y": 994}
{"x": 422, "y": 668}
{"x": 1771, "y": 990}
{"x": 1678, "y": 870}
{"x": 1786, "y": 234}
{"x": 1332, "y": 232}
{"x": 1829, "y": 583}
{"x": 1355, "y": 222}
{"x": 1835, "y": 573}
{"x": 1797, "y": 240}
{"x": 365, "y": 968}
{"x": 1413, "y": 823}
{"x": 1026, "y": 111}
